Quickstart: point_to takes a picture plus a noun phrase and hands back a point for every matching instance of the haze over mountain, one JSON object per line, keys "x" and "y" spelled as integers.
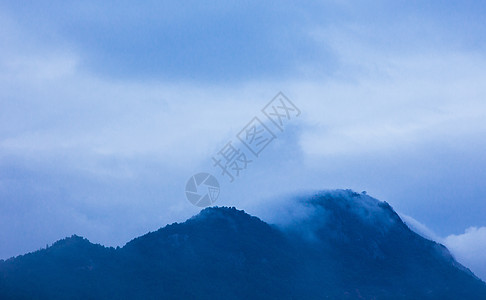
{"x": 345, "y": 246}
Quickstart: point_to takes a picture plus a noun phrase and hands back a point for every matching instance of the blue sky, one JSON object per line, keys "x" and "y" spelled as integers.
{"x": 107, "y": 108}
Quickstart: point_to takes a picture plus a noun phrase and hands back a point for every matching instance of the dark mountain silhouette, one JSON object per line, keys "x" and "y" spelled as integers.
{"x": 347, "y": 246}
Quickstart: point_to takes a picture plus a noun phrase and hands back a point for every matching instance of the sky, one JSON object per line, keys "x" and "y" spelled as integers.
{"x": 107, "y": 109}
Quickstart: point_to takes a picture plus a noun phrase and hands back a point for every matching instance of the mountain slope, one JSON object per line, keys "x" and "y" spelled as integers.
{"x": 349, "y": 246}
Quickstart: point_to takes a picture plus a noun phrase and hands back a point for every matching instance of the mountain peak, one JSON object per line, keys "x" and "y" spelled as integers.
{"x": 72, "y": 240}
{"x": 358, "y": 203}
{"x": 223, "y": 214}
{"x": 345, "y": 211}
{"x": 220, "y": 212}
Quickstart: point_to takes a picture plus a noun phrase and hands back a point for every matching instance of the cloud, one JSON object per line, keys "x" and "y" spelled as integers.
{"x": 420, "y": 228}
{"x": 469, "y": 248}
{"x": 189, "y": 41}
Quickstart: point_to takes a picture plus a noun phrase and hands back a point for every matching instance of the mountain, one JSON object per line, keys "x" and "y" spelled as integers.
{"x": 345, "y": 246}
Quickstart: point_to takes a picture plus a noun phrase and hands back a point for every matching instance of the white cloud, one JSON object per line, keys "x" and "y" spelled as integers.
{"x": 420, "y": 228}
{"x": 469, "y": 249}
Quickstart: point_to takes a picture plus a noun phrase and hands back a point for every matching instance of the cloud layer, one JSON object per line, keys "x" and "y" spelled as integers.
{"x": 469, "y": 248}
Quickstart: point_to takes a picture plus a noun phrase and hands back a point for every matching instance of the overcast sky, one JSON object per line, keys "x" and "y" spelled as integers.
{"x": 106, "y": 110}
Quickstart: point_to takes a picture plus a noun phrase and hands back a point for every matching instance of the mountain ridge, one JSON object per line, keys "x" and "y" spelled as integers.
{"x": 347, "y": 246}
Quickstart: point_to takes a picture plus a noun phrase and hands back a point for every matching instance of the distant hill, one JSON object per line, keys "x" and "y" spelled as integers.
{"x": 348, "y": 246}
